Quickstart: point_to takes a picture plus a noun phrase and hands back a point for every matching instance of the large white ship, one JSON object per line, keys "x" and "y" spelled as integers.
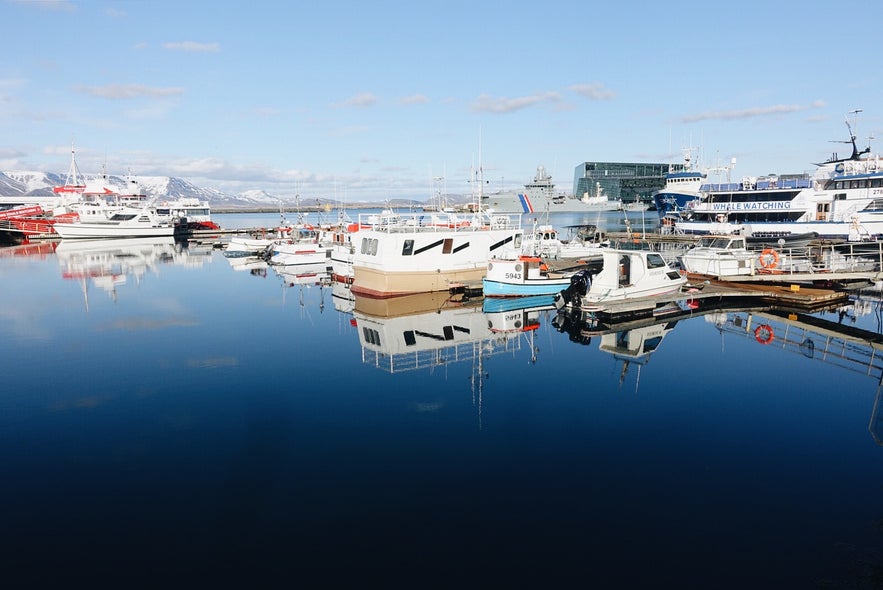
{"x": 540, "y": 196}
{"x": 843, "y": 199}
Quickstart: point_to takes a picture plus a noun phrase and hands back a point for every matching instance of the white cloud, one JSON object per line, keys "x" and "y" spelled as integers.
{"x": 749, "y": 113}
{"x": 594, "y": 91}
{"x": 489, "y": 104}
{"x": 127, "y": 91}
{"x": 192, "y": 46}
{"x": 414, "y": 99}
{"x": 365, "y": 99}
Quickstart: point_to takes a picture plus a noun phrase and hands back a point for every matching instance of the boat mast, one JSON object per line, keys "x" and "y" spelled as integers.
{"x": 73, "y": 173}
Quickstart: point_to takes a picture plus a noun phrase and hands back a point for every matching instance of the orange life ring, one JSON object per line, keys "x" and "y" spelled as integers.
{"x": 769, "y": 258}
{"x": 764, "y": 334}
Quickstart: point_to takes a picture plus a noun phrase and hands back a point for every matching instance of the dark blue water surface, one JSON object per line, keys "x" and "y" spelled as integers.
{"x": 173, "y": 418}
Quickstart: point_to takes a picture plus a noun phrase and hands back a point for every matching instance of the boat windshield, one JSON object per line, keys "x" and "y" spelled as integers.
{"x": 719, "y": 242}
{"x": 123, "y": 216}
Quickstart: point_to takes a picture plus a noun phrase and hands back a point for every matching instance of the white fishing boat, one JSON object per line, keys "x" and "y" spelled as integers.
{"x": 721, "y": 256}
{"x": 545, "y": 240}
{"x": 306, "y": 245}
{"x": 841, "y": 200}
{"x": 727, "y": 256}
{"x": 399, "y": 254}
{"x": 190, "y": 213}
{"x": 525, "y": 276}
{"x": 637, "y": 275}
{"x": 124, "y": 223}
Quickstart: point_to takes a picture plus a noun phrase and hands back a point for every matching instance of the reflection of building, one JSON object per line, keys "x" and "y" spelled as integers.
{"x": 629, "y": 182}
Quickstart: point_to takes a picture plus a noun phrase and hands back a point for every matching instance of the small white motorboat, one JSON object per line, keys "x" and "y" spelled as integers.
{"x": 626, "y": 275}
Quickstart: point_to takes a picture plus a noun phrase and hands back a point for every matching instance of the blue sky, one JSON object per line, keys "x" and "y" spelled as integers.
{"x": 367, "y": 100}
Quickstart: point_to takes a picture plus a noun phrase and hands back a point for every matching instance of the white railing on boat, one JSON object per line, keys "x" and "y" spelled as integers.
{"x": 391, "y": 222}
{"x": 846, "y": 257}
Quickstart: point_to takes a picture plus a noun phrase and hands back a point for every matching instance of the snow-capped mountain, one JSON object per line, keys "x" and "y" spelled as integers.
{"x": 40, "y": 184}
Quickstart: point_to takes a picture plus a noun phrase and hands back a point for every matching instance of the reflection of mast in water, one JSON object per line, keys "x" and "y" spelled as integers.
{"x": 875, "y": 425}
{"x": 477, "y": 378}
{"x": 304, "y": 276}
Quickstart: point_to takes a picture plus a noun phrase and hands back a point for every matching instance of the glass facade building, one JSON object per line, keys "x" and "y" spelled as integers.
{"x": 629, "y": 181}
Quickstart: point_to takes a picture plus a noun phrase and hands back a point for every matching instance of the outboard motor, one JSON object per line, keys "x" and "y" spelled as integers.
{"x": 267, "y": 253}
{"x": 564, "y": 322}
{"x": 579, "y": 286}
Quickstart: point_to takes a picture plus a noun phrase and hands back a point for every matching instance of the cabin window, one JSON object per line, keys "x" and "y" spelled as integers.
{"x": 448, "y": 246}
{"x": 369, "y": 246}
{"x": 410, "y": 339}
{"x": 624, "y": 270}
{"x": 371, "y": 336}
{"x": 408, "y": 248}
{"x": 655, "y": 260}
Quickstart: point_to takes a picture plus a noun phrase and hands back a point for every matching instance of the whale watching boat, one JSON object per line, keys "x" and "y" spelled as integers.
{"x": 843, "y": 199}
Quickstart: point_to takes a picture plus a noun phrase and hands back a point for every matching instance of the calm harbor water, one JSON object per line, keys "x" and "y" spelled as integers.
{"x": 165, "y": 414}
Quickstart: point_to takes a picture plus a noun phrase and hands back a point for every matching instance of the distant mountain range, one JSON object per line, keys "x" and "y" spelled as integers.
{"x": 23, "y": 183}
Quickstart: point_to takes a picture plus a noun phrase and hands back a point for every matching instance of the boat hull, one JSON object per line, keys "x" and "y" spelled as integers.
{"x": 522, "y": 277}
{"x": 491, "y": 288}
{"x": 104, "y": 230}
{"x": 380, "y": 284}
{"x": 522, "y": 203}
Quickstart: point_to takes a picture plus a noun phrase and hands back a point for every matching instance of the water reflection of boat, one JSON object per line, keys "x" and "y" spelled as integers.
{"x": 317, "y": 273}
{"x": 812, "y": 336}
{"x": 516, "y": 314}
{"x": 252, "y": 264}
{"x": 426, "y": 330}
{"x": 343, "y": 298}
{"x": 107, "y": 264}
